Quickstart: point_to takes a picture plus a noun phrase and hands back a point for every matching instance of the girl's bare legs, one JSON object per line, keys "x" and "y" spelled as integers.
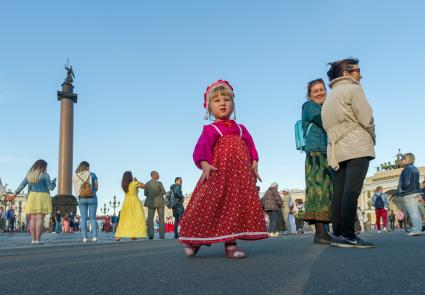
{"x": 39, "y": 227}
{"x": 33, "y": 224}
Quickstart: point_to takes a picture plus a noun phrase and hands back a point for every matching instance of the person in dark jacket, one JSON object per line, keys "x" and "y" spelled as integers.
{"x": 178, "y": 209}
{"x": 409, "y": 190}
{"x": 392, "y": 220}
{"x": 272, "y": 204}
{"x": 317, "y": 173}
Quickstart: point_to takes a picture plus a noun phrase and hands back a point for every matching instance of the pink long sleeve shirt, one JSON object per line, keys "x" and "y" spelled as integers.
{"x": 204, "y": 148}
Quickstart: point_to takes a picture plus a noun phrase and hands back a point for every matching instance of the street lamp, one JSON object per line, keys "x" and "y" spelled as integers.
{"x": 105, "y": 209}
{"x": 114, "y": 204}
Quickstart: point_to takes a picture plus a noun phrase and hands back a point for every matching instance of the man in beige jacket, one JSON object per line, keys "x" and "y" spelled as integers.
{"x": 348, "y": 120}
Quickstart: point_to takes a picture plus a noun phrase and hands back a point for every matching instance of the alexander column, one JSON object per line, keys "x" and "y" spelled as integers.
{"x": 64, "y": 200}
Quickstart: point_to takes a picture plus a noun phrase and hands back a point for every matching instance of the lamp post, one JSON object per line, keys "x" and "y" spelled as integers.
{"x": 105, "y": 209}
{"x": 114, "y": 204}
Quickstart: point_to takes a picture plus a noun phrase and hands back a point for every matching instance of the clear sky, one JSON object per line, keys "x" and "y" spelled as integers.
{"x": 142, "y": 67}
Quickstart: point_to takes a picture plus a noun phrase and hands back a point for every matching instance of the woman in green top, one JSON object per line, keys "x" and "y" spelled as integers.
{"x": 317, "y": 174}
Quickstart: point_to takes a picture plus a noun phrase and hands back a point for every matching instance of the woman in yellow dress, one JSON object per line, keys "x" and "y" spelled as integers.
{"x": 132, "y": 222}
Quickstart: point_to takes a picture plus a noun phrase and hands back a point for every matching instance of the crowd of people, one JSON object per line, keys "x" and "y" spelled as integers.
{"x": 337, "y": 134}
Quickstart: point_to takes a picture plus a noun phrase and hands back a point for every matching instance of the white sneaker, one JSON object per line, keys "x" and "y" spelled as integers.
{"x": 32, "y": 242}
{"x": 94, "y": 240}
{"x": 385, "y": 230}
{"x": 415, "y": 233}
{"x": 84, "y": 240}
{"x": 378, "y": 231}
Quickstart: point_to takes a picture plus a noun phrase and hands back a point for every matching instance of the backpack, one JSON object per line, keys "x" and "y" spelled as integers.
{"x": 170, "y": 199}
{"x": 86, "y": 190}
{"x": 379, "y": 202}
{"x": 299, "y": 135}
{"x": 9, "y": 214}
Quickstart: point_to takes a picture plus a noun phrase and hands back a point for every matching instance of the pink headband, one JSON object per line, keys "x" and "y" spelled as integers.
{"x": 213, "y": 86}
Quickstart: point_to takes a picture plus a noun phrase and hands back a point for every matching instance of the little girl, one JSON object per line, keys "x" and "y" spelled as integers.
{"x": 225, "y": 204}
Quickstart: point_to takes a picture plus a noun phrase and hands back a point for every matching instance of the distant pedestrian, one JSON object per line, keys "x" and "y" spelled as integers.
{"x": 66, "y": 224}
{"x": 58, "y": 222}
{"x": 178, "y": 209}
{"x": 85, "y": 187}
{"x": 114, "y": 222}
{"x": 132, "y": 217}
{"x": 286, "y": 198}
{"x": 408, "y": 189}
{"x": 100, "y": 225}
{"x": 38, "y": 202}
{"x": 366, "y": 218}
{"x": 318, "y": 178}
{"x": 2, "y": 219}
{"x": 292, "y": 220}
{"x": 380, "y": 202}
{"x": 423, "y": 188}
{"x": 71, "y": 221}
{"x": 10, "y": 219}
{"x": 52, "y": 223}
{"x": 77, "y": 224}
{"x": 348, "y": 120}
{"x": 392, "y": 220}
{"x": 299, "y": 211}
{"x": 155, "y": 192}
{"x": 400, "y": 219}
{"x": 225, "y": 205}
{"x": 360, "y": 220}
{"x": 272, "y": 204}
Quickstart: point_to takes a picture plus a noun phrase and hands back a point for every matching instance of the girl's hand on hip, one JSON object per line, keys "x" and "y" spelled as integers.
{"x": 254, "y": 168}
{"x": 206, "y": 170}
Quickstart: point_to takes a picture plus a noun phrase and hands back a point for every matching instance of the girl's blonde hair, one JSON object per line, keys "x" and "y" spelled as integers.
{"x": 38, "y": 169}
{"x": 220, "y": 90}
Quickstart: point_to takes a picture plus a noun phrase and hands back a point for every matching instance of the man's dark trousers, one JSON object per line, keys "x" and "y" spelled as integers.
{"x": 178, "y": 211}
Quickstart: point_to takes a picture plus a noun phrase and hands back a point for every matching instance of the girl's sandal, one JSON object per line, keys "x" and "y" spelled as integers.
{"x": 117, "y": 239}
{"x": 233, "y": 251}
{"x": 191, "y": 250}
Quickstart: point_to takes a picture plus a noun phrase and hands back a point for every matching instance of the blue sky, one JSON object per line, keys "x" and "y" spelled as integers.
{"x": 142, "y": 67}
